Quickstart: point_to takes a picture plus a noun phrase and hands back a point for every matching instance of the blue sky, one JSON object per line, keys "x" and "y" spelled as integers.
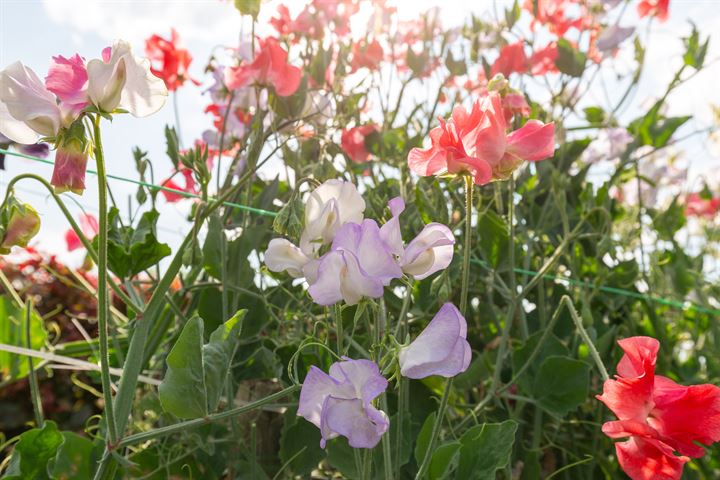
{"x": 34, "y": 30}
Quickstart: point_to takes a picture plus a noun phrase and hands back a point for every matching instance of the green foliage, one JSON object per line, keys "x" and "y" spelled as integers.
{"x": 36, "y": 448}
{"x": 196, "y": 371}
{"x": 485, "y": 449}
{"x": 570, "y": 60}
{"x": 561, "y": 384}
{"x": 13, "y": 332}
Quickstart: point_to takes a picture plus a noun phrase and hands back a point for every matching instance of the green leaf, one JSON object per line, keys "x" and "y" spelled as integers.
{"x": 512, "y": 15}
{"x": 76, "y": 458}
{"x": 668, "y": 222}
{"x": 130, "y": 251}
{"x": 12, "y": 332}
{"x": 562, "y": 384}
{"x": 695, "y": 52}
{"x": 570, "y": 61}
{"x": 551, "y": 347}
{"x": 32, "y": 453}
{"x": 595, "y": 115}
{"x": 423, "y": 438}
{"x": 485, "y": 449}
{"x": 196, "y": 372}
{"x": 493, "y": 234}
{"x": 300, "y": 444}
{"x": 444, "y": 459}
{"x": 173, "y": 149}
{"x": 341, "y": 456}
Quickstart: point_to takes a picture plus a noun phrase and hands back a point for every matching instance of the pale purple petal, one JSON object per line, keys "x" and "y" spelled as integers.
{"x": 390, "y": 232}
{"x": 316, "y": 387}
{"x": 339, "y": 277}
{"x": 363, "y": 427}
{"x": 355, "y": 284}
{"x": 430, "y": 251}
{"x": 441, "y": 349}
{"x": 364, "y": 241}
{"x": 363, "y": 375}
{"x": 326, "y": 290}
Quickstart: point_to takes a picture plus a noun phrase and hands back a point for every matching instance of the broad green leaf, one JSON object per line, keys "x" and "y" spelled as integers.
{"x": 444, "y": 459}
{"x": 300, "y": 444}
{"x": 494, "y": 235}
{"x": 561, "y": 385}
{"x": 520, "y": 356}
{"x": 423, "y": 438}
{"x": 196, "y": 372}
{"x": 76, "y": 458}
{"x": 694, "y": 50}
{"x": 669, "y": 221}
{"x": 12, "y": 332}
{"x": 485, "y": 449}
{"x": 341, "y": 456}
{"x": 32, "y": 453}
{"x": 570, "y": 60}
{"x": 130, "y": 251}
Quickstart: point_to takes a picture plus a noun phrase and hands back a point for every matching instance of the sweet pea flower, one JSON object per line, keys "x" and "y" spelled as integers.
{"x": 122, "y": 80}
{"x": 542, "y": 61}
{"x": 697, "y": 206}
{"x": 477, "y": 142}
{"x": 366, "y": 55}
{"x": 512, "y": 59}
{"x": 340, "y": 404}
{"x": 172, "y": 60}
{"x": 441, "y": 349}
{"x": 19, "y": 223}
{"x": 89, "y": 226}
{"x": 429, "y": 252}
{"x": 34, "y": 150}
{"x": 656, "y": 415}
{"x": 610, "y": 38}
{"x": 67, "y": 78}
{"x": 358, "y": 265}
{"x": 352, "y": 141}
{"x": 654, "y": 8}
{"x": 284, "y": 256}
{"x": 609, "y": 145}
{"x": 270, "y": 67}
{"x": 189, "y": 187}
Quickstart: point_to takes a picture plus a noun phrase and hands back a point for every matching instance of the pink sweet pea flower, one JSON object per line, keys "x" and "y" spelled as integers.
{"x": 477, "y": 142}
{"x": 543, "y": 61}
{"x": 90, "y": 228}
{"x": 441, "y": 349}
{"x": 656, "y": 415}
{"x": 340, "y": 404}
{"x": 352, "y": 141}
{"x": 654, "y": 8}
{"x": 270, "y": 67}
{"x": 512, "y": 59}
{"x": 697, "y": 206}
{"x": 366, "y": 55}
{"x": 189, "y": 187}
{"x": 67, "y": 78}
{"x": 69, "y": 170}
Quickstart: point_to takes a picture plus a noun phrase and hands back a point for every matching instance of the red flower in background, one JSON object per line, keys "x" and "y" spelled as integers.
{"x": 90, "y": 228}
{"x": 551, "y": 13}
{"x": 189, "y": 187}
{"x": 697, "y": 206}
{"x": 654, "y": 8}
{"x": 658, "y": 416}
{"x": 353, "y": 142}
{"x": 170, "y": 62}
{"x": 270, "y": 67}
{"x": 543, "y": 60}
{"x": 512, "y": 59}
{"x": 477, "y": 142}
{"x": 366, "y": 55}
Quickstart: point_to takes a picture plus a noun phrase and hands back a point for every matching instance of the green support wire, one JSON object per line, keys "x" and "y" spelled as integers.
{"x": 616, "y": 291}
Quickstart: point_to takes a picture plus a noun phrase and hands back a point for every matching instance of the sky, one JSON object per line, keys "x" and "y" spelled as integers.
{"x": 34, "y": 30}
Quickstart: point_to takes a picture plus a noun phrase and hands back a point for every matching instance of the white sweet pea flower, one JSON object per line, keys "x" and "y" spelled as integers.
{"x": 121, "y": 80}
{"x": 28, "y": 110}
{"x": 282, "y": 255}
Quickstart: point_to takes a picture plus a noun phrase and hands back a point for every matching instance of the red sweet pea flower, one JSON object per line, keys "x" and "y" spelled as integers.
{"x": 477, "y": 142}
{"x": 190, "y": 187}
{"x": 658, "y": 416}
{"x": 367, "y": 55}
{"x": 170, "y": 62}
{"x": 551, "y": 13}
{"x": 543, "y": 61}
{"x": 270, "y": 67}
{"x": 89, "y": 226}
{"x": 512, "y": 59}
{"x": 654, "y": 8}
{"x": 697, "y": 206}
{"x": 353, "y": 142}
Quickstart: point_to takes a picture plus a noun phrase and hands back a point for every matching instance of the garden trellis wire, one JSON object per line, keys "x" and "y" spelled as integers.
{"x": 689, "y": 306}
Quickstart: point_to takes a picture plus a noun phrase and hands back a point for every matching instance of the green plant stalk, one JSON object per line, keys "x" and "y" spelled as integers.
{"x": 102, "y": 291}
{"x": 586, "y": 338}
{"x": 34, "y": 386}
{"x": 469, "y": 186}
{"x": 387, "y": 455}
{"x": 189, "y": 424}
{"x": 83, "y": 239}
{"x": 339, "y": 329}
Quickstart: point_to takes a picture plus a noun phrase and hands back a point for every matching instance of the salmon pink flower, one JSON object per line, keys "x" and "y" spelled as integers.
{"x": 270, "y": 67}
{"x": 90, "y": 228}
{"x": 441, "y": 349}
{"x": 366, "y": 55}
{"x": 543, "y": 61}
{"x": 476, "y": 142}
{"x": 658, "y": 416}
{"x": 171, "y": 60}
{"x": 654, "y": 8}
{"x": 122, "y": 80}
{"x": 512, "y": 59}
{"x": 352, "y": 141}
{"x": 340, "y": 404}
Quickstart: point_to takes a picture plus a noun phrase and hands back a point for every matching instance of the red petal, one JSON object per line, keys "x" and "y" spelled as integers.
{"x": 533, "y": 142}
{"x": 647, "y": 459}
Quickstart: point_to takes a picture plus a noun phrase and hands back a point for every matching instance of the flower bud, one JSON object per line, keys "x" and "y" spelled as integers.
{"x": 71, "y": 160}
{"x": 19, "y": 223}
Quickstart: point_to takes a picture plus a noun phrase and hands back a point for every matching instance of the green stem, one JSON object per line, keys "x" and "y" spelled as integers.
{"x": 183, "y": 426}
{"x": 34, "y": 386}
{"x": 436, "y": 430}
{"x": 586, "y": 338}
{"x": 469, "y": 189}
{"x": 102, "y": 292}
{"x": 387, "y": 455}
{"x": 339, "y": 329}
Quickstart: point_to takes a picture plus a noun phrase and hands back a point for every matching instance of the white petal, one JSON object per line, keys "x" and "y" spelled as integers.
{"x": 282, "y": 255}
{"x": 16, "y": 130}
{"x": 144, "y": 93}
{"x": 26, "y": 99}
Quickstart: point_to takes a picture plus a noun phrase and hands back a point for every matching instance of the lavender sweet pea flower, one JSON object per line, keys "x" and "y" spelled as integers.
{"x": 340, "y": 404}
{"x": 611, "y": 38}
{"x": 430, "y": 251}
{"x": 441, "y": 349}
{"x": 358, "y": 265}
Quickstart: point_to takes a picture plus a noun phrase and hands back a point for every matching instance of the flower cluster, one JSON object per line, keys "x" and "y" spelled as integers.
{"x": 362, "y": 257}
{"x": 658, "y": 416}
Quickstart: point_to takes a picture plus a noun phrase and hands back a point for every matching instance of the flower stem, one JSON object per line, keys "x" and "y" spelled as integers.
{"x": 102, "y": 290}
{"x": 339, "y": 329}
{"x": 34, "y": 386}
{"x": 436, "y": 430}
{"x": 469, "y": 189}
{"x": 586, "y": 338}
